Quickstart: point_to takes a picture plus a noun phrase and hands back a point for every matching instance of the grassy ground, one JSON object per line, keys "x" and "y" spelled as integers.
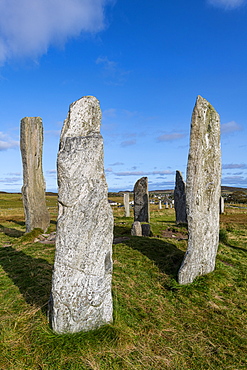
{"x": 157, "y": 323}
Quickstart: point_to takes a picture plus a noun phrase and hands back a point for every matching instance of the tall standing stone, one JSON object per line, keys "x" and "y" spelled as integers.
{"x": 81, "y": 297}
{"x": 141, "y": 200}
{"x": 180, "y": 199}
{"x": 127, "y": 204}
{"x": 203, "y": 189}
{"x": 33, "y": 189}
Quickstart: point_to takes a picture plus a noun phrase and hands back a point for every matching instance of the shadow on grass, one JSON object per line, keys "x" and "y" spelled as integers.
{"x": 166, "y": 256}
{"x": 237, "y": 248}
{"x": 31, "y": 275}
{"x": 14, "y": 233}
{"x": 21, "y": 223}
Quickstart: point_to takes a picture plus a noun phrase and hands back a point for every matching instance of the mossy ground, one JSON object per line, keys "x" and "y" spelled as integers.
{"x": 157, "y": 323}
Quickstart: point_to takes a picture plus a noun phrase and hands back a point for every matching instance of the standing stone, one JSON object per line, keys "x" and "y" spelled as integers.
{"x": 81, "y": 297}
{"x": 222, "y": 205}
{"x": 136, "y": 229}
{"x": 167, "y": 205}
{"x": 146, "y": 229}
{"x": 33, "y": 189}
{"x": 141, "y": 200}
{"x": 127, "y": 204}
{"x": 203, "y": 190}
{"x": 160, "y": 204}
{"x": 180, "y": 199}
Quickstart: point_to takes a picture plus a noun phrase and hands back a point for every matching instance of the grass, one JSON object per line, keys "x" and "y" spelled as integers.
{"x": 158, "y": 324}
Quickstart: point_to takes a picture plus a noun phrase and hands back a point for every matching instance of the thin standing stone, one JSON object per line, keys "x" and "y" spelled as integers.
{"x": 33, "y": 189}
{"x": 222, "y": 205}
{"x": 203, "y": 190}
{"x": 180, "y": 199}
{"x": 127, "y": 204}
{"x": 141, "y": 200}
{"x": 81, "y": 297}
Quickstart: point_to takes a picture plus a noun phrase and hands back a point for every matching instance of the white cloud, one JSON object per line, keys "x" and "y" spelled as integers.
{"x": 28, "y": 28}
{"x": 171, "y": 137}
{"x": 142, "y": 173}
{"x": 227, "y": 4}
{"x": 112, "y": 72}
{"x": 6, "y": 142}
{"x": 229, "y": 127}
{"x": 235, "y": 180}
{"x": 230, "y": 166}
{"x": 128, "y": 143}
{"x": 117, "y": 164}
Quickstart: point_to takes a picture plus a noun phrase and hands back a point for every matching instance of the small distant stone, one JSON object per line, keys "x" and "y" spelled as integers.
{"x": 136, "y": 229}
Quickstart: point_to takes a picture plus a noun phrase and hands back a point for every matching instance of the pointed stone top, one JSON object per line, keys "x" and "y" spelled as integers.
{"x": 84, "y": 118}
{"x": 203, "y": 103}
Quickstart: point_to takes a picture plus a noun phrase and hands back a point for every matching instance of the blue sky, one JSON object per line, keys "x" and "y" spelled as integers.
{"x": 146, "y": 61}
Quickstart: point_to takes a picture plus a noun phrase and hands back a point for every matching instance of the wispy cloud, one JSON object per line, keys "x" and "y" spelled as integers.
{"x": 171, "y": 136}
{"x": 10, "y": 180}
{"x": 116, "y": 164}
{"x": 227, "y": 4}
{"x": 230, "y": 127}
{"x": 142, "y": 173}
{"x": 128, "y": 143}
{"x": 51, "y": 173}
{"x": 6, "y": 142}
{"x": 111, "y": 112}
{"x": 113, "y": 73}
{"x": 231, "y": 166}
{"x": 28, "y": 28}
{"x": 235, "y": 180}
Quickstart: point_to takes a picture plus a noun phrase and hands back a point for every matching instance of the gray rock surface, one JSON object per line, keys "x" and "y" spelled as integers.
{"x": 141, "y": 200}
{"x": 180, "y": 199}
{"x": 127, "y": 204}
{"x": 81, "y": 297}
{"x": 136, "y": 229}
{"x": 33, "y": 189}
{"x": 203, "y": 187}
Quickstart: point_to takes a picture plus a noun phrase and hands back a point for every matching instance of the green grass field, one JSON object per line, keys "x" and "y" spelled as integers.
{"x": 157, "y": 323}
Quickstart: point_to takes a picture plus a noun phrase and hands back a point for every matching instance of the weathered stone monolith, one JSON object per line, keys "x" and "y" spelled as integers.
{"x": 81, "y": 297}
{"x": 141, "y": 200}
{"x": 203, "y": 187}
{"x": 160, "y": 204}
{"x": 180, "y": 199}
{"x": 33, "y": 189}
{"x": 146, "y": 229}
{"x": 136, "y": 229}
{"x": 127, "y": 204}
